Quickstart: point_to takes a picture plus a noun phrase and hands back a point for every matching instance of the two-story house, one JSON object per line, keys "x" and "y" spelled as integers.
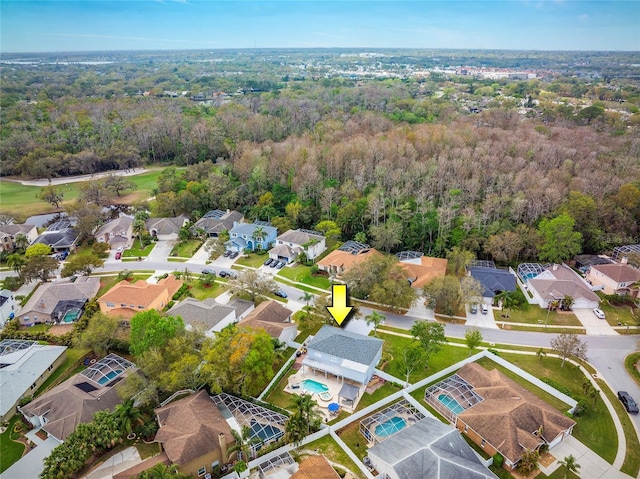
{"x": 116, "y": 233}
{"x": 252, "y": 236}
{"x": 620, "y": 279}
{"x": 217, "y": 221}
{"x": 8, "y": 234}
{"x": 126, "y": 299}
{"x": 290, "y": 244}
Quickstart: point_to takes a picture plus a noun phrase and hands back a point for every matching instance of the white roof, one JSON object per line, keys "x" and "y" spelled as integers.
{"x": 23, "y": 368}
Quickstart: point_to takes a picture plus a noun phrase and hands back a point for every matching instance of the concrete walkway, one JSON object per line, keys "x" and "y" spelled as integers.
{"x": 592, "y": 466}
{"x": 76, "y": 179}
{"x": 118, "y": 462}
{"x": 592, "y": 324}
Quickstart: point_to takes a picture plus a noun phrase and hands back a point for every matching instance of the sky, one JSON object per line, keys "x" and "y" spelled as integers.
{"x": 97, "y": 25}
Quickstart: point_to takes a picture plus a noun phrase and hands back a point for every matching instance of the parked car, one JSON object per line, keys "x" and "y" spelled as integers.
{"x": 227, "y": 253}
{"x": 484, "y": 308}
{"x": 599, "y": 313}
{"x": 274, "y": 263}
{"x": 234, "y": 255}
{"x": 280, "y": 293}
{"x": 628, "y": 402}
{"x": 267, "y": 262}
{"x": 208, "y": 271}
{"x": 63, "y": 255}
{"x": 120, "y": 248}
{"x": 228, "y": 274}
{"x": 473, "y": 309}
{"x": 280, "y": 265}
{"x": 118, "y": 255}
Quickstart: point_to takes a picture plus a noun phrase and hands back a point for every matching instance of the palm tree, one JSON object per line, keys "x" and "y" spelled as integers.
{"x": 127, "y": 415}
{"x": 376, "y": 319}
{"x": 307, "y": 298}
{"x": 139, "y": 227}
{"x": 21, "y": 241}
{"x": 162, "y": 471}
{"x": 567, "y": 302}
{"x": 507, "y": 302}
{"x": 590, "y": 391}
{"x": 569, "y": 464}
{"x": 16, "y": 261}
{"x": 244, "y": 441}
{"x": 259, "y": 234}
{"x": 303, "y": 408}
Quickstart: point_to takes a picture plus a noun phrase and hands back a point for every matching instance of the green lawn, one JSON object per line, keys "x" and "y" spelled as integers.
{"x": 630, "y": 362}
{"x": 335, "y": 453}
{"x": 380, "y": 393}
{"x": 302, "y": 274}
{"x": 21, "y": 200}
{"x": 148, "y": 450}
{"x": 307, "y": 324}
{"x": 136, "y": 252}
{"x": 278, "y": 396}
{"x": 395, "y": 345}
{"x": 69, "y": 366}
{"x": 617, "y": 314}
{"x": 10, "y": 451}
{"x": 186, "y": 249}
{"x": 253, "y": 260}
{"x": 532, "y": 314}
{"x": 199, "y": 291}
{"x": 595, "y": 428}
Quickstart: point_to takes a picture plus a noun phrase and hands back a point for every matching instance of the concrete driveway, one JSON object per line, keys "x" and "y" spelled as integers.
{"x": 120, "y": 461}
{"x": 161, "y": 250}
{"x": 481, "y": 320}
{"x": 592, "y": 324}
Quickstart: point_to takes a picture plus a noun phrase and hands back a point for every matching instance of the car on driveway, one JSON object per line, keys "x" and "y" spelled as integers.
{"x": 599, "y": 313}
{"x": 208, "y": 271}
{"x": 280, "y": 293}
{"x": 274, "y": 263}
{"x": 473, "y": 309}
{"x": 227, "y": 253}
{"x": 228, "y": 274}
{"x": 267, "y": 262}
{"x": 628, "y": 402}
{"x": 280, "y": 265}
{"x": 118, "y": 255}
{"x": 234, "y": 255}
{"x": 484, "y": 308}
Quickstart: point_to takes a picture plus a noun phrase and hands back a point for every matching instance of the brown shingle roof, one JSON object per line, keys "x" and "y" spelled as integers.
{"x": 620, "y": 273}
{"x": 428, "y": 269}
{"x": 509, "y": 414}
{"x": 270, "y": 316}
{"x": 190, "y": 428}
{"x": 315, "y": 467}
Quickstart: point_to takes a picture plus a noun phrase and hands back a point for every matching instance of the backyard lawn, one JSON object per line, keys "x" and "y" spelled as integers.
{"x": 10, "y": 451}
{"x": 302, "y": 274}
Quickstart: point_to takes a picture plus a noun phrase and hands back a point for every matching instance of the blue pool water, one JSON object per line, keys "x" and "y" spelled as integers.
{"x": 265, "y": 432}
{"x": 71, "y": 316}
{"x": 391, "y": 426}
{"x": 314, "y": 386}
{"x": 451, "y": 404}
{"x": 529, "y": 276}
{"x": 110, "y": 375}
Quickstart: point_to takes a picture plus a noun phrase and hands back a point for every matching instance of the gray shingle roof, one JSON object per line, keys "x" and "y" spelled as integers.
{"x": 207, "y": 312}
{"x": 346, "y": 345}
{"x": 493, "y": 280}
{"x": 298, "y": 237}
{"x": 48, "y": 295}
{"x": 216, "y": 223}
{"x": 15, "y": 230}
{"x": 165, "y": 226}
{"x": 249, "y": 228}
{"x": 430, "y": 449}
{"x": 65, "y": 238}
{"x": 115, "y": 227}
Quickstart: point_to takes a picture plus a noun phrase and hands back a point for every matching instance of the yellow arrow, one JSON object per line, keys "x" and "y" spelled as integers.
{"x": 339, "y": 309}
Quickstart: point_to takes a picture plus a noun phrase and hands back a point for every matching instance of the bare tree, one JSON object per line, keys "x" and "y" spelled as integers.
{"x": 569, "y": 345}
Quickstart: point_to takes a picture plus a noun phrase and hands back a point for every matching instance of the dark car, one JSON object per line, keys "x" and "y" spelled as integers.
{"x": 628, "y": 402}
{"x": 208, "y": 271}
{"x": 228, "y": 274}
{"x": 118, "y": 255}
{"x": 280, "y": 293}
{"x": 473, "y": 309}
{"x": 227, "y": 253}
{"x": 234, "y": 255}
{"x": 63, "y": 255}
{"x": 274, "y": 263}
{"x": 267, "y": 262}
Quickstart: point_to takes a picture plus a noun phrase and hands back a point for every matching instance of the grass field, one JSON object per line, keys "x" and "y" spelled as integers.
{"x": 186, "y": 249}
{"x": 252, "y": 260}
{"x": 20, "y": 200}
{"x": 532, "y": 314}
{"x": 10, "y": 451}
{"x": 302, "y": 274}
{"x": 135, "y": 251}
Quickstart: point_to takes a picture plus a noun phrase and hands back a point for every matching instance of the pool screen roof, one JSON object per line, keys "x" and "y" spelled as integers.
{"x": 353, "y": 247}
{"x": 107, "y": 369}
{"x": 259, "y": 419}
{"x": 281, "y": 461}
{"x": 409, "y": 255}
{"x": 528, "y": 271}
{"x": 403, "y": 409}
{"x": 620, "y": 252}
{"x": 456, "y": 388}
{"x": 215, "y": 214}
{"x": 8, "y": 346}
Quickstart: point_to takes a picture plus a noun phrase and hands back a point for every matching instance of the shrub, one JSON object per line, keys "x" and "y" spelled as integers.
{"x": 493, "y": 351}
{"x": 183, "y": 289}
{"x": 100, "y": 250}
{"x": 498, "y": 460}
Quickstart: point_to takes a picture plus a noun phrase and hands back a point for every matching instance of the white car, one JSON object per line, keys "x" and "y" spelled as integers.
{"x": 599, "y": 313}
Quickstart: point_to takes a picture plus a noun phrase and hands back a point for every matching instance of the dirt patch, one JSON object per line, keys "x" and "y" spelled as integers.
{"x": 546, "y": 460}
{"x": 41, "y": 434}
{"x": 60, "y": 329}
{"x": 518, "y": 475}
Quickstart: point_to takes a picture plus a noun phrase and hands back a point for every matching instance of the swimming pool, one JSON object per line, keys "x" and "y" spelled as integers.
{"x": 390, "y": 427}
{"x": 109, "y": 376}
{"x": 313, "y": 386}
{"x": 266, "y": 432}
{"x": 71, "y": 316}
{"x": 451, "y": 404}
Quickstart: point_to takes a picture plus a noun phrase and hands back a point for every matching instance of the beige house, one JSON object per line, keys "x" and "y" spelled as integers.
{"x": 194, "y": 434}
{"x": 421, "y": 269}
{"x": 349, "y": 254}
{"x": 126, "y": 299}
{"x": 116, "y": 233}
{"x": 8, "y": 235}
{"x": 274, "y": 318}
{"x": 620, "y": 279}
{"x": 166, "y": 229}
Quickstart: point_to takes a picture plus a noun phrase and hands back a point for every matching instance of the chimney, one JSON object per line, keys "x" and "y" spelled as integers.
{"x": 624, "y": 260}
{"x": 223, "y": 448}
{"x": 555, "y": 267}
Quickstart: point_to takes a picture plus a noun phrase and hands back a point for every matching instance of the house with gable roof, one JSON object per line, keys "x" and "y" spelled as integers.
{"x": 493, "y": 281}
{"x": 252, "y": 236}
{"x": 559, "y": 280}
{"x": 349, "y": 254}
{"x": 274, "y": 318}
{"x": 166, "y": 229}
{"x": 116, "y": 232}
{"x": 428, "y": 449}
{"x": 126, "y": 299}
{"x": 8, "y": 234}
{"x": 60, "y": 236}
{"x": 209, "y": 315}
{"x": 344, "y": 354}
{"x": 619, "y": 278}
{"x": 421, "y": 269}
{"x": 293, "y": 242}
{"x": 217, "y": 221}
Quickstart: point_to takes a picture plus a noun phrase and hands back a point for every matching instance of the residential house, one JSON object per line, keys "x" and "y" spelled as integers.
{"x": 252, "y": 236}
{"x": 498, "y": 414}
{"x": 344, "y": 354}
{"x": 421, "y": 269}
{"x": 208, "y": 316}
{"x": 62, "y": 301}
{"x": 428, "y": 449}
{"x": 8, "y": 235}
{"x": 349, "y": 254}
{"x": 315, "y": 467}
{"x": 557, "y": 281}
{"x": 493, "y": 281}
{"x": 8, "y": 306}
{"x": 166, "y": 229}
{"x": 217, "y": 221}
{"x": 60, "y": 236}
{"x": 194, "y": 434}
{"x": 620, "y": 278}
{"x": 290, "y": 244}
{"x": 126, "y": 299}
{"x": 274, "y": 318}
{"x": 24, "y": 366}
{"x": 116, "y": 233}
{"x": 60, "y": 410}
